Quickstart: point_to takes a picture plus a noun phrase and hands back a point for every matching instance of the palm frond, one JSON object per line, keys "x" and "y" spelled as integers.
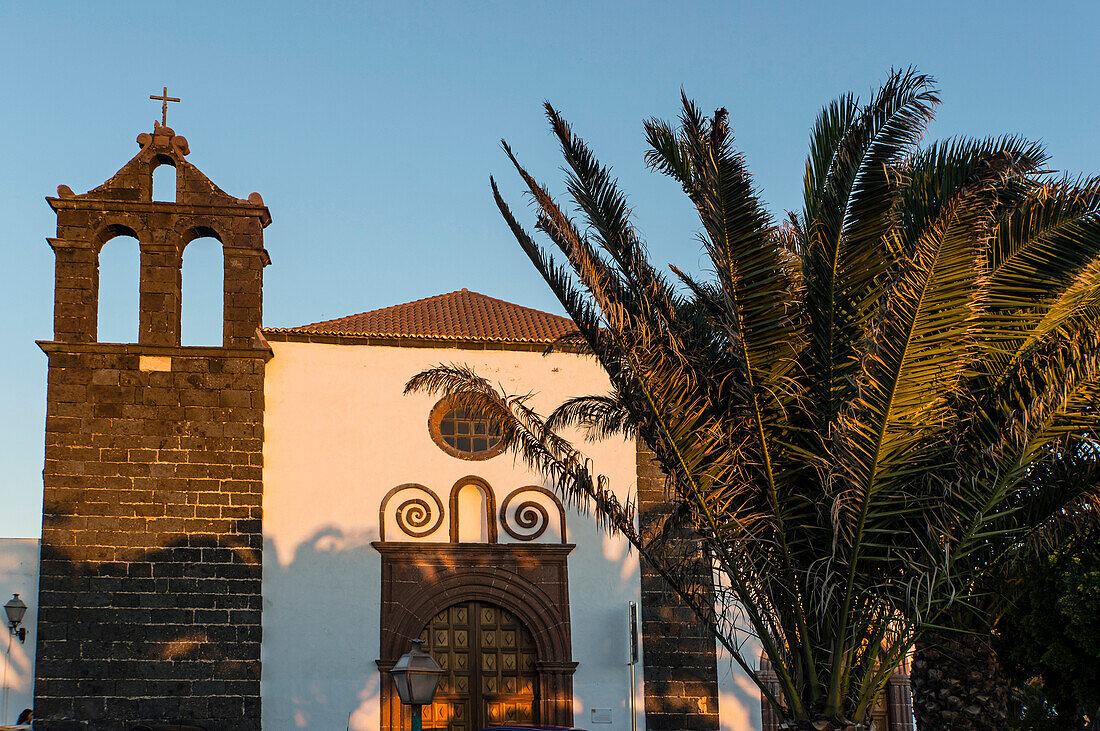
{"x": 739, "y": 234}
{"x": 601, "y": 416}
{"x": 918, "y": 345}
{"x": 1043, "y": 270}
{"x": 524, "y": 432}
{"x": 851, "y": 186}
{"x": 527, "y": 435}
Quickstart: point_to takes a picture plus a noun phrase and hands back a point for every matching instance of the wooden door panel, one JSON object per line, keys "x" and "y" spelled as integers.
{"x": 448, "y": 714}
{"x": 511, "y": 710}
{"x": 489, "y": 678}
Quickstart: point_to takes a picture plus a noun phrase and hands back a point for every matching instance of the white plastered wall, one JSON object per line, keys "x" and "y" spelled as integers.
{"x": 339, "y": 434}
{"x": 738, "y": 696}
{"x": 19, "y": 575}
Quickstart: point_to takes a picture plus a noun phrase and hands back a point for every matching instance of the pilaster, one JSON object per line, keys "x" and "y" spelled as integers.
{"x": 161, "y": 295}
{"x": 244, "y": 304}
{"x": 76, "y": 290}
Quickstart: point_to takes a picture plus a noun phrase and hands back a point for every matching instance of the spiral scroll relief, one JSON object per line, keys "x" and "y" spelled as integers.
{"x": 419, "y": 514}
{"x": 530, "y": 519}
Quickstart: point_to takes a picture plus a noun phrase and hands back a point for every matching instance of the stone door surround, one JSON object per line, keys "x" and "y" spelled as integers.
{"x": 419, "y": 580}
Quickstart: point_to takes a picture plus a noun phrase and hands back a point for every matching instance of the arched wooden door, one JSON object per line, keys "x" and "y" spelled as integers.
{"x": 488, "y": 658}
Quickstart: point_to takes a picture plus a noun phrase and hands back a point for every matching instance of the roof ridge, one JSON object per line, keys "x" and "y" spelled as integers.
{"x": 369, "y": 312}
{"x": 506, "y": 302}
{"x": 459, "y": 315}
{"x": 418, "y": 301}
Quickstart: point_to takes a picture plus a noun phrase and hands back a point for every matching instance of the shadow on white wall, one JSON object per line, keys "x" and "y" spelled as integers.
{"x": 738, "y": 696}
{"x": 320, "y": 640}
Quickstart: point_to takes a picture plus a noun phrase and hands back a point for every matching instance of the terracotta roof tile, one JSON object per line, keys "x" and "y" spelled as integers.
{"x": 462, "y": 315}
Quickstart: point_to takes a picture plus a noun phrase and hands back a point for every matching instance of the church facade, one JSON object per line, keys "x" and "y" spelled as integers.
{"x": 433, "y": 529}
{"x": 250, "y": 535}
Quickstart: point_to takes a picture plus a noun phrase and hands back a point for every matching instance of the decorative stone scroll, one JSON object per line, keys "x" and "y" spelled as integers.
{"x": 530, "y": 519}
{"x": 418, "y": 514}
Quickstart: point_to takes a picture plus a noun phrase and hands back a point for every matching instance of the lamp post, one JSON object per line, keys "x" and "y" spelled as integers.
{"x": 416, "y": 676}
{"x": 15, "y": 609}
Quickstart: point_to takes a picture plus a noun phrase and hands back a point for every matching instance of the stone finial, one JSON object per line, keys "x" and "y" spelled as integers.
{"x": 164, "y": 137}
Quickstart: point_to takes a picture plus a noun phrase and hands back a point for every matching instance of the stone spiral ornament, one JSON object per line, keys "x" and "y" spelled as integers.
{"x": 530, "y": 519}
{"x": 420, "y": 514}
{"x": 414, "y": 517}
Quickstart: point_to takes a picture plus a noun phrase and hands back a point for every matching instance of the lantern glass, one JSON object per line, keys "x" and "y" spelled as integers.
{"x": 401, "y": 683}
{"x": 422, "y": 687}
{"x": 15, "y": 609}
{"x": 415, "y": 676}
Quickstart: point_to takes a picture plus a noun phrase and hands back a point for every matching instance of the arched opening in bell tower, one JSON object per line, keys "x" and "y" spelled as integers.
{"x": 203, "y": 283}
{"x": 164, "y": 181}
{"x": 119, "y": 287}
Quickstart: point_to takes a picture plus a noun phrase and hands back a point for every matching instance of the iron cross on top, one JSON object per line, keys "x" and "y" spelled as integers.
{"x": 164, "y": 99}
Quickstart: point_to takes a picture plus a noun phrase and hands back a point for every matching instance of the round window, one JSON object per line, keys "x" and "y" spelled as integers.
{"x": 464, "y": 433}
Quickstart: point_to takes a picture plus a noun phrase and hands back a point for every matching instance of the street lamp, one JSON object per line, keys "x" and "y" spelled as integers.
{"x": 15, "y": 609}
{"x": 416, "y": 676}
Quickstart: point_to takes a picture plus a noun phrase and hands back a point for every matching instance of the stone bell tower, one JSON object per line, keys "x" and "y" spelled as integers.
{"x": 149, "y": 599}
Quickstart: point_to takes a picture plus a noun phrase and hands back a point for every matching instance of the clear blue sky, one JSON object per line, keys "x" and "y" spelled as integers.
{"x": 371, "y": 130}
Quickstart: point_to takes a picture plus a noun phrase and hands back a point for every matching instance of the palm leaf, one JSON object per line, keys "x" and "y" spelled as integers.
{"x": 1044, "y": 269}
{"x": 849, "y": 196}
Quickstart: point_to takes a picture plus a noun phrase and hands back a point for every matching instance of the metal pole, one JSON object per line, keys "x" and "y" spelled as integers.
{"x": 632, "y": 628}
{"x": 633, "y": 710}
{"x": 7, "y": 661}
{"x": 418, "y": 725}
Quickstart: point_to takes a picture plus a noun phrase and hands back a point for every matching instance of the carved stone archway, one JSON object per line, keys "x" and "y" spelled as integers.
{"x": 419, "y": 580}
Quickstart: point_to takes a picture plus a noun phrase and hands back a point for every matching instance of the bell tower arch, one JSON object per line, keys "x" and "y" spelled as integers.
{"x": 149, "y": 596}
{"x": 124, "y": 205}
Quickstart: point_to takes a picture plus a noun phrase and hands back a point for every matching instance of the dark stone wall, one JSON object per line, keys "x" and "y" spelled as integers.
{"x": 149, "y": 598}
{"x": 680, "y": 662}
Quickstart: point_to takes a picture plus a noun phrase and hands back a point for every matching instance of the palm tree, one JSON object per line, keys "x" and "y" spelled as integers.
{"x": 851, "y": 408}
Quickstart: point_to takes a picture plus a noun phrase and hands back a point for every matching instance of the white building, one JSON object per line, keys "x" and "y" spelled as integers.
{"x": 389, "y": 516}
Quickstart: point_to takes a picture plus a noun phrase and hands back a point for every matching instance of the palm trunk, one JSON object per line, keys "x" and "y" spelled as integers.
{"x": 958, "y": 685}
